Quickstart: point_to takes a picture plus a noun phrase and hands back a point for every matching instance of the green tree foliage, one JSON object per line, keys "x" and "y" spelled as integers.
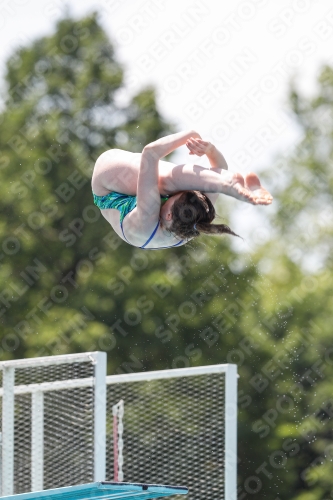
{"x": 303, "y": 180}
{"x": 69, "y": 284}
{"x": 61, "y": 113}
{"x": 297, "y": 260}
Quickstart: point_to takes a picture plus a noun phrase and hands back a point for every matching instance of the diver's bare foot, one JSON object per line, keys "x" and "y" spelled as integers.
{"x": 234, "y": 185}
{"x": 260, "y": 195}
{"x": 249, "y": 189}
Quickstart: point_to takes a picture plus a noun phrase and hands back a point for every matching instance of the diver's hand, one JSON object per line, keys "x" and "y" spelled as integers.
{"x": 199, "y": 147}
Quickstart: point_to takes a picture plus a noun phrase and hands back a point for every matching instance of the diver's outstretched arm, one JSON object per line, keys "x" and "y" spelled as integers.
{"x": 148, "y": 195}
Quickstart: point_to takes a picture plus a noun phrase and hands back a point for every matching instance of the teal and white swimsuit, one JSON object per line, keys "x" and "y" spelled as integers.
{"x": 125, "y": 204}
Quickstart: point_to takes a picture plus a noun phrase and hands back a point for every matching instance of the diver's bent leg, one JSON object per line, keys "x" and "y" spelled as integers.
{"x": 194, "y": 177}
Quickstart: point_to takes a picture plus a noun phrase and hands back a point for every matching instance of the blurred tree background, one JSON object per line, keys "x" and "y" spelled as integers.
{"x": 69, "y": 284}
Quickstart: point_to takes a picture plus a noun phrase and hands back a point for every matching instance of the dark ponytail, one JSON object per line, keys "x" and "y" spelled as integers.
{"x": 193, "y": 214}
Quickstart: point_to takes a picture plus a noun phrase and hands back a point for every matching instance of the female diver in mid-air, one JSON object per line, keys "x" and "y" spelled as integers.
{"x": 154, "y": 204}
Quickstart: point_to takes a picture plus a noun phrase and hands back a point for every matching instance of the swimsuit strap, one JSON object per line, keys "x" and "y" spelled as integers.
{"x": 163, "y": 248}
{"x": 151, "y": 236}
{"x": 121, "y": 225}
{"x": 149, "y": 239}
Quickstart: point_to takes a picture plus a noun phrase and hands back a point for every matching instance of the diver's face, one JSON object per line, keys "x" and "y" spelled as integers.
{"x": 166, "y": 210}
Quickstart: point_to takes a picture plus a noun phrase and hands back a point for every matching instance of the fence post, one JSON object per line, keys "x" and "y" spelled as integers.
{"x": 8, "y": 431}
{"x": 100, "y": 417}
{"x": 37, "y": 441}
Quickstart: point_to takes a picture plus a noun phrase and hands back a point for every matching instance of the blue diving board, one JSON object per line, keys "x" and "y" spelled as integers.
{"x": 103, "y": 490}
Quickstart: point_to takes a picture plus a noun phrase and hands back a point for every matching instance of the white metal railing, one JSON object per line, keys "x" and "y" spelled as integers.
{"x": 52, "y": 360}
{"x": 173, "y": 373}
{"x": 8, "y": 392}
{"x": 99, "y": 382}
{"x": 230, "y": 421}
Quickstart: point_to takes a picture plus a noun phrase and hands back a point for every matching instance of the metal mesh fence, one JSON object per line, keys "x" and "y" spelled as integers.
{"x": 173, "y": 432}
{"x": 67, "y": 431}
{"x": 68, "y": 437}
{"x": 22, "y": 443}
{"x": 173, "y": 428}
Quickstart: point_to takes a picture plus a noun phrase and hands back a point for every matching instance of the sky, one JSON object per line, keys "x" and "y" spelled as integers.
{"x": 222, "y": 68}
